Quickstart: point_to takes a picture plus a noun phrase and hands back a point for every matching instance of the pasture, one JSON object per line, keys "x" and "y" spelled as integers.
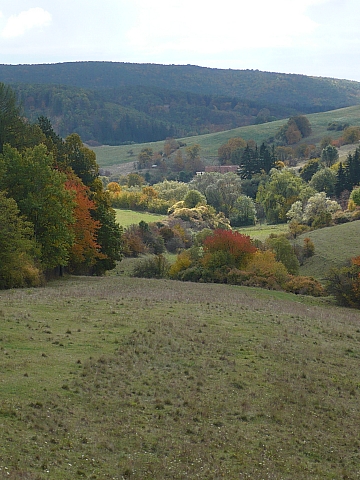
{"x": 130, "y": 217}
{"x": 119, "y": 378}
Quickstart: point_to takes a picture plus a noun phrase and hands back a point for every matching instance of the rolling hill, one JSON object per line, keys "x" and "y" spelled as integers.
{"x": 111, "y": 156}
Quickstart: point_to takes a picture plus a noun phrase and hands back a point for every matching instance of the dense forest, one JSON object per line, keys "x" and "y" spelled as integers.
{"x": 115, "y": 103}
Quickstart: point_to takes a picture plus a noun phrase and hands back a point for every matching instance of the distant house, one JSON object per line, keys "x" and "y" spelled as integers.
{"x": 222, "y": 168}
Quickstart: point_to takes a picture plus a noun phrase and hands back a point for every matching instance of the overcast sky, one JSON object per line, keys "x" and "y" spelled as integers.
{"x": 311, "y": 37}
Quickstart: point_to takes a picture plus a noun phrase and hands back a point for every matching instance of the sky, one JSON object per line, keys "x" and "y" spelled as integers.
{"x": 311, "y": 37}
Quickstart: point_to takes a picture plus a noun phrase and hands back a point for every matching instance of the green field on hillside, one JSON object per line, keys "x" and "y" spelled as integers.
{"x": 122, "y": 378}
{"x": 333, "y": 247}
{"x": 108, "y": 156}
{"x": 130, "y": 217}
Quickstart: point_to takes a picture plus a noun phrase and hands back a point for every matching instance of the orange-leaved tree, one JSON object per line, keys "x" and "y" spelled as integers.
{"x": 85, "y": 250}
{"x": 228, "y": 247}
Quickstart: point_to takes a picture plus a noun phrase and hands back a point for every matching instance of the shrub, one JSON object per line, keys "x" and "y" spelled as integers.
{"x": 344, "y": 284}
{"x": 183, "y": 261}
{"x": 155, "y": 266}
{"x": 304, "y": 286}
{"x": 309, "y": 247}
{"x": 284, "y": 253}
{"x": 237, "y": 247}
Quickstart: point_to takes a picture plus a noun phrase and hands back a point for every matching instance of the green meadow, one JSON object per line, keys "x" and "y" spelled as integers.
{"x": 130, "y": 217}
{"x": 117, "y": 378}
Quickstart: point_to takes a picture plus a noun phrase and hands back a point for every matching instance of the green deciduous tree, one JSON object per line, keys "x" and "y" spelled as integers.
{"x": 278, "y": 194}
{"x": 17, "y": 247}
{"x": 284, "y": 253}
{"x": 42, "y": 198}
{"x": 243, "y": 212}
{"x": 324, "y": 180}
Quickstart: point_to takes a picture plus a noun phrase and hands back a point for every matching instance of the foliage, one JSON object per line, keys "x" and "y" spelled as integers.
{"x": 194, "y": 198}
{"x": 171, "y": 191}
{"x": 17, "y": 248}
{"x": 351, "y": 135}
{"x": 265, "y": 265}
{"x": 228, "y": 149}
{"x": 304, "y": 286}
{"x": 200, "y": 217}
{"x": 85, "y": 250}
{"x": 155, "y": 266}
{"x": 254, "y": 160}
{"x": 294, "y": 130}
{"x": 282, "y": 189}
{"x": 237, "y": 247}
{"x": 316, "y": 212}
{"x": 42, "y": 198}
{"x": 344, "y": 284}
{"x": 243, "y": 212}
{"x": 329, "y": 155}
{"x": 222, "y": 192}
{"x": 324, "y": 180}
{"x": 355, "y": 196}
{"x": 284, "y": 253}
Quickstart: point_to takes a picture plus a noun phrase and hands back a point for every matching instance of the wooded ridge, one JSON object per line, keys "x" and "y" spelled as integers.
{"x": 114, "y": 103}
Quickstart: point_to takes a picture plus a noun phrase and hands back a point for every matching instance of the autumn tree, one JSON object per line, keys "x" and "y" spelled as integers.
{"x": 232, "y": 247}
{"x": 145, "y": 158}
{"x": 226, "y": 152}
{"x": 85, "y": 250}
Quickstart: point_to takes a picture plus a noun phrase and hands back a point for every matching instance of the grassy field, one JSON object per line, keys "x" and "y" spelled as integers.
{"x": 261, "y": 232}
{"x": 130, "y": 217}
{"x": 333, "y": 247}
{"x": 117, "y": 378}
{"x": 108, "y": 157}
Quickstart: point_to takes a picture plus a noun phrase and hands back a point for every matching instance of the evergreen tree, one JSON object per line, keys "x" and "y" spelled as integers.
{"x": 341, "y": 180}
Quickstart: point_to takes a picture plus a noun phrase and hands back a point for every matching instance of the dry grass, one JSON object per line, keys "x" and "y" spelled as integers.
{"x": 149, "y": 379}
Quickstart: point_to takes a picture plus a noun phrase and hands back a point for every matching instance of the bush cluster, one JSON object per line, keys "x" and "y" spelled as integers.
{"x": 155, "y": 238}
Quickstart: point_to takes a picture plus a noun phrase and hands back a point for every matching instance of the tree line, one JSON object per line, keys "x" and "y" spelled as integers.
{"x": 54, "y": 211}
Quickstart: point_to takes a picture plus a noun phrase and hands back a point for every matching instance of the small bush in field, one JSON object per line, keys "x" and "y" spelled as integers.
{"x": 182, "y": 263}
{"x": 304, "y": 286}
{"x": 309, "y": 247}
{"x": 344, "y": 284}
{"x": 155, "y": 266}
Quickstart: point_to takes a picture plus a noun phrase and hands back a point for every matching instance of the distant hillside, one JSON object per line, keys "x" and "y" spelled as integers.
{"x": 330, "y": 249}
{"x": 114, "y": 103}
{"x": 111, "y": 156}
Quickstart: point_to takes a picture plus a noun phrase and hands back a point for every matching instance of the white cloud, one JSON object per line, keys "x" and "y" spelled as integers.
{"x": 17, "y": 25}
{"x": 197, "y": 26}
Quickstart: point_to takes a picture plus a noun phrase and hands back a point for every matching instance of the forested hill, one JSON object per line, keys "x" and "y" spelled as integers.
{"x": 273, "y": 88}
{"x": 116, "y": 103}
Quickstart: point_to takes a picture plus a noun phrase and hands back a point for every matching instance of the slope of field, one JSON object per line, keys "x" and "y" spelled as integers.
{"x": 131, "y": 378}
{"x": 129, "y": 217}
{"x": 333, "y": 247}
{"x": 108, "y": 157}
